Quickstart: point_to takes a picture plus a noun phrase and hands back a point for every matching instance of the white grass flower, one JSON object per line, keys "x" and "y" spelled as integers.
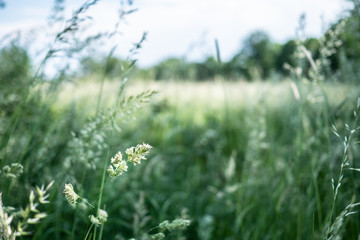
{"x": 177, "y": 224}
{"x": 117, "y": 158}
{"x": 33, "y": 220}
{"x": 102, "y": 216}
{"x": 32, "y": 204}
{"x": 138, "y": 153}
{"x": 20, "y": 230}
{"x": 40, "y": 215}
{"x": 94, "y": 220}
{"x": 118, "y": 166}
{"x": 70, "y": 194}
{"x": 13, "y": 171}
{"x": 5, "y": 222}
{"x": 42, "y": 193}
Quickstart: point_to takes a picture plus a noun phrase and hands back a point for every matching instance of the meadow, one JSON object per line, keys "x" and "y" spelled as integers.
{"x": 96, "y": 157}
{"x": 239, "y": 160}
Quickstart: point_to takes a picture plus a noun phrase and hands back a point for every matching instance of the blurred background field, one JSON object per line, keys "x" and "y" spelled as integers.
{"x": 204, "y": 96}
{"x": 231, "y": 153}
{"x": 261, "y": 145}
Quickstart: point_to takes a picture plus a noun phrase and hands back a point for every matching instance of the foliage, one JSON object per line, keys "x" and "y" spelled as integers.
{"x": 172, "y": 68}
{"x": 14, "y": 77}
{"x": 258, "y": 169}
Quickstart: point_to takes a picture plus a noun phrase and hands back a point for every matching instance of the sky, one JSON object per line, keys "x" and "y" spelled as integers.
{"x": 184, "y": 28}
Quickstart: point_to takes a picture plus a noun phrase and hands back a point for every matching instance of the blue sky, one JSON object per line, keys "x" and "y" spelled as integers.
{"x": 186, "y": 28}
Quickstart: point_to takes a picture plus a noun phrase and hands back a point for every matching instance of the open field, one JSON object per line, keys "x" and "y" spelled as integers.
{"x": 211, "y": 95}
{"x": 239, "y": 160}
{"x": 242, "y": 160}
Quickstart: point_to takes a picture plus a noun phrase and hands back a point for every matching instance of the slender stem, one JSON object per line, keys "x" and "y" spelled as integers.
{"x": 87, "y": 234}
{"x": 101, "y": 228}
{"x": 105, "y": 162}
{"x": 102, "y": 187}
{"x": 85, "y": 201}
{"x": 337, "y": 187}
{"x": 107, "y": 155}
{"x": 101, "y": 231}
{"x": 77, "y": 211}
{"x": 153, "y": 229}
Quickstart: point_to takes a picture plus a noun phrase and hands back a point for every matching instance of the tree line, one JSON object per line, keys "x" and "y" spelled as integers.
{"x": 260, "y": 58}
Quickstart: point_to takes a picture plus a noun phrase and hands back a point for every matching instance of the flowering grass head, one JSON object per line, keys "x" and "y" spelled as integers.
{"x": 138, "y": 153}
{"x": 177, "y": 224}
{"x": 100, "y": 219}
{"x": 134, "y": 155}
{"x": 13, "y": 171}
{"x": 70, "y": 194}
{"x": 118, "y": 166}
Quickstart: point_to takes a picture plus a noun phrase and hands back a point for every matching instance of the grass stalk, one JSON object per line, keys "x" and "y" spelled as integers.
{"x": 344, "y": 163}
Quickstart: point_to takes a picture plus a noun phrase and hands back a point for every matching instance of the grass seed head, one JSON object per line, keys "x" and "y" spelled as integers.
{"x": 118, "y": 166}
{"x": 102, "y": 216}
{"x": 138, "y": 153}
{"x": 70, "y": 194}
{"x": 177, "y": 224}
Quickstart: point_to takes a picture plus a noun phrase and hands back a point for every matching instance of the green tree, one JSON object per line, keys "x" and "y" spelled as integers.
{"x": 286, "y": 55}
{"x": 347, "y": 59}
{"x": 260, "y": 53}
{"x": 172, "y": 68}
{"x": 236, "y": 67}
{"x": 287, "y": 51}
{"x": 207, "y": 70}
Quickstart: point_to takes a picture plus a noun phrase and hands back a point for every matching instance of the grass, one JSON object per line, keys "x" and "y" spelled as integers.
{"x": 230, "y": 160}
{"x": 241, "y": 160}
{"x": 259, "y": 161}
